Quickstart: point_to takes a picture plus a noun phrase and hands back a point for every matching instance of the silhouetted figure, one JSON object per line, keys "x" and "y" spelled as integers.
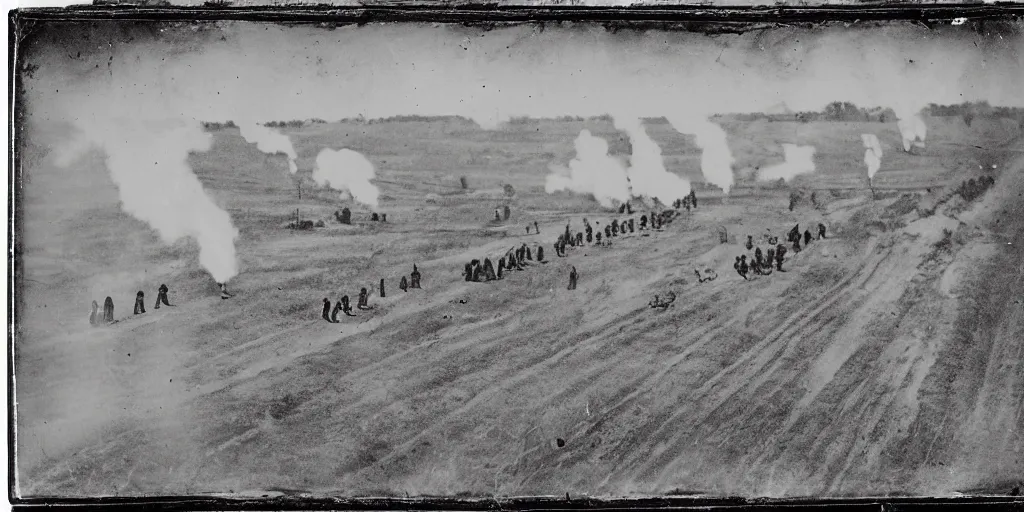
{"x": 558, "y": 251}
{"x": 643, "y": 222}
{"x": 536, "y": 227}
{"x": 736, "y": 267}
{"x": 540, "y": 253}
{"x": 631, "y": 225}
{"x": 415, "y": 281}
{"x": 607, "y": 231}
{"x": 755, "y": 267}
{"x": 468, "y": 272}
{"x": 382, "y": 288}
{"x": 478, "y": 274}
{"x": 140, "y": 307}
{"x": 590, "y": 235}
{"x": 489, "y": 270}
{"x": 750, "y": 243}
{"x": 579, "y": 239}
{"x": 383, "y": 217}
{"x": 758, "y": 256}
{"x": 403, "y": 284}
{"x": 615, "y": 227}
{"x": 345, "y": 217}
{"x": 572, "y": 278}
{"x": 597, "y": 238}
{"x": 780, "y": 255}
{"x": 769, "y": 257}
{"x": 511, "y": 262}
{"x": 334, "y": 313}
{"x": 622, "y": 208}
{"x": 693, "y": 199}
{"x": 529, "y": 254}
{"x": 327, "y": 310}
{"x": 364, "y": 299}
{"x": 501, "y": 267}
{"x": 375, "y": 217}
{"x": 497, "y": 215}
{"x": 345, "y": 306}
{"x": 527, "y": 230}
{"x": 108, "y": 310}
{"x": 744, "y": 268}
{"x": 161, "y": 296}
{"x": 796, "y": 245}
{"x": 94, "y": 317}
{"x": 794, "y": 234}
{"x": 629, "y": 208}
{"x": 821, "y": 231}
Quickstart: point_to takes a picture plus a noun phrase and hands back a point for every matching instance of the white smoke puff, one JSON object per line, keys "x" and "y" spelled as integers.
{"x": 269, "y": 141}
{"x": 912, "y": 130}
{"x": 647, "y": 174}
{"x": 349, "y": 172}
{"x": 148, "y": 161}
{"x": 592, "y": 172}
{"x": 872, "y": 153}
{"x": 799, "y": 160}
{"x": 716, "y": 160}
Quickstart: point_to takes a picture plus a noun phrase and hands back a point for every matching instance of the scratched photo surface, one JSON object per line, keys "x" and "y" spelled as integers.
{"x": 425, "y": 259}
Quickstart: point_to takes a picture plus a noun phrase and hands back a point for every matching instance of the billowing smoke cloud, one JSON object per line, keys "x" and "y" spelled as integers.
{"x": 716, "y": 160}
{"x": 148, "y": 162}
{"x": 647, "y": 174}
{"x": 799, "y": 160}
{"x": 269, "y": 141}
{"x": 349, "y": 172}
{"x": 912, "y": 130}
{"x": 592, "y": 172}
{"x": 872, "y": 153}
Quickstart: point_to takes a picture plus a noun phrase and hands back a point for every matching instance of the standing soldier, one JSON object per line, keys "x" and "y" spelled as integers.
{"x": 750, "y": 243}
{"x": 536, "y": 227}
{"x": 821, "y": 231}
{"x": 468, "y": 272}
{"x": 382, "y": 288}
{"x": 540, "y": 253}
{"x": 345, "y": 306}
{"x": 597, "y": 238}
{"x": 489, "y": 270}
{"x": 403, "y": 284}
{"x": 590, "y": 234}
{"x": 140, "y": 307}
{"x": 327, "y": 310}
{"x": 615, "y": 227}
{"x": 94, "y": 318}
{"x": 415, "y": 277}
{"x": 643, "y": 222}
{"x": 744, "y": 268}
{"x": 364, "y": 299}
{"x": 607, "y": 231}
{"x": 769, "y": 258}
{"x": 807, "y": 237}
{"x": 573, "y": 276}
{"x": 497, "y": 215}
{"x": 736, "y": 266}
{"x": 501, "y": 267}
{"x": 693, "y": 198}
{"x": 631, "y": 225}
{"x": 334, "y": 313}
{"x": 161, "y": 296}
{"x": 780, "y": 254}
{"x": 796, "y": 245}
{"x": 758, "y": 257}
{"x": 108, "y": 310}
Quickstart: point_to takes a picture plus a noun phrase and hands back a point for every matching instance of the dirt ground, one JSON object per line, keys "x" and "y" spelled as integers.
{"x": 886, "y": 360}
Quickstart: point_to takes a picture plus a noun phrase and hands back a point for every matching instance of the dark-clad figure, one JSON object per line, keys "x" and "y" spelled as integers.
{"x": 382, "y": 288}
{"x": 478, "y": 273}
{"x": 755, "y": 267}
{"x": 415, "y": 277}
{"x": 511, "y": 262}
{"x": 334, "y": 313}
{"x": 108, "y": 310}
{"x": 489, "y": 270}
{"x": 527, "y": 230}
{"x": 383, "y": 217}
{"x": 345, "y": 306}
{"x": 750, "y": 243}
{"x": 403, "y": 284}
{"x": 501, "y": 267}
{"x": 615, "y": 227}
{"x": 631, "y": 225}
{"x": 540, "y": 253}
{"x": 794, "y": 234}
{"x": 693, "y": 198}
{"x": 529, "y": 254}
{"x": 346, "y": 216}
{"x": 161, "y": 296}
{"x": 744, "y": 268}
{"x": 807, "y": 237}
{"x": 643, "y": 222}
{"x": 536, "y": 227}
{"x": 758, "y": 256}
{"x": 597, "y": 238}
{"x": 573, "y": 276}
{"x": 94, "y": 317}
{"x": 468, "y": 273}
{"x": 140, "y": 307}
{"x": 579, "y": 239}
{"x": 375, "y": 217}
{"x": 607, "y": 231}
{"x": 821, "y": 231}
{"x": 327, "y": 310}
{"x": 364, "y": 299}
{"x": 497, "y": 215}
{"x": 769, "y": 258}
{"x": 796, "y": 244}
{"x": 780, "y": 254}
{"x": 590, "y": 234}
{"x": 736, "y": 266}
{"x": 558, "y": 251}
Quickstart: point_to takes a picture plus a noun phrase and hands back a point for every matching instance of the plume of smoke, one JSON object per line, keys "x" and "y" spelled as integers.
{"x": 912, "y": 130}
{"x": 592, "y": 172}
{"x": 269, "y": 141}
{"x": 872, "y": 153}
{"x": 716, "y": 160}
{"x": 148, "y": 161}
{"x": 799, "y": 160}
{"x": 349, "y": 172}
{"x": 647, "y": 174}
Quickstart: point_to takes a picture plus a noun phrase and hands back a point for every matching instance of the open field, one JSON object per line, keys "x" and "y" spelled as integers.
{"x": 886, "y": 360}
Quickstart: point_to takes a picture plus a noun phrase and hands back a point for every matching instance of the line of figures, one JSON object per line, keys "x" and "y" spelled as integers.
{"x": 518, "y": 258}
{"x": 107, "y": 317}
{"x": 344, "y": 306}
{"x": 763, "y": 262}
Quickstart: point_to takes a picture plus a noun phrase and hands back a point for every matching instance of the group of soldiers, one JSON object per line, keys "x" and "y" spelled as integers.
{"x": 516, "y": 258}
{"x": 763, "y": 262}
{"x": 107, "y": 317}
{"x": 344, "y": 306}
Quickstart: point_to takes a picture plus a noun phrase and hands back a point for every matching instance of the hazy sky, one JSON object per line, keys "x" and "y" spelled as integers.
{"x": 263, "y": 72}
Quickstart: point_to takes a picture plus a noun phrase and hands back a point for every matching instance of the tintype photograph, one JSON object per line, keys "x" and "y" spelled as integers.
{"x": 421, "y": 258}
